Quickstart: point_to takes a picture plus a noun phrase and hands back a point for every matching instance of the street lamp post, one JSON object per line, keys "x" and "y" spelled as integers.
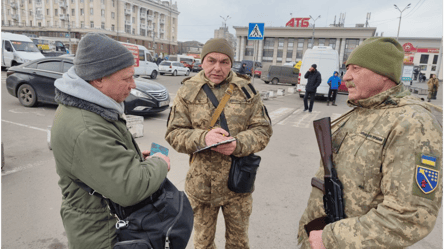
{"x": 399, "y": 26}
{"x": 314, "y": 20}
{"x": 69, "y": 35}
{"x": 225, "y": 24}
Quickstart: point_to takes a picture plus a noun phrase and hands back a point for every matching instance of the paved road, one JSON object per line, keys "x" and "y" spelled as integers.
{"x": 31, "y": 197}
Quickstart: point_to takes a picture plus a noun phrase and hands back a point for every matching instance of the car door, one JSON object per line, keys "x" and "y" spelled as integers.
{"x": 151, "y": 66}
{"x": 7, "y": 53}
{"x": 141, "y": 69}
{"x": 183, "y": 69}
{"x": 43, "y": 79}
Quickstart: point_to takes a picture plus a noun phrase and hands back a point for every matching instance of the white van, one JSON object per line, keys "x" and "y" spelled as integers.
{"x": 18, "y": 49}
{"x": 143, "y": 61}
{"x": 327, "y": 61}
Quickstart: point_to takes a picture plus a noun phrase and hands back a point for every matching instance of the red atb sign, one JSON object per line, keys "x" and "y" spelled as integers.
{"x": 298, "y": 22}
{"x": 135, "y": 51}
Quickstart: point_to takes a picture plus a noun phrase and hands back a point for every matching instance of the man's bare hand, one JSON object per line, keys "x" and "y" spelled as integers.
{"x": 315, "y": 240}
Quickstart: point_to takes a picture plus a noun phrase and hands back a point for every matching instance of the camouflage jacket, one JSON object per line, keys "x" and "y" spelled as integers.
{"x": 189, "y": 122}
{"x": 383, "y": 149}
{"x": 433, "y": 82}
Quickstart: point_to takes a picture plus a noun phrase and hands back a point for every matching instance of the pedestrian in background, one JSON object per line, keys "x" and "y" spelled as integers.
{"x": 188, "y": 126}
{"x": 334, "y": 82}
{"x": 387, "y": 152}
{"x": 92, "y": 145}
{"x": 433, "y": 85}
{"x": 314, "y": 80}
{"x": 243, "y": 69}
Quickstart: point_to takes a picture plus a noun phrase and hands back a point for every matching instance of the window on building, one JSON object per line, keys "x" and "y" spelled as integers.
{"x": 281, "y": 43}
{"x": 113, "y": 2}
{"x": 72, "y": 1}
{"x": 47, "y": 12}
{"x": 301, "y": 43}
{"x": 56, "y": 23}
{"x": 82, "y": 24}
{"x": 249, "y": 51}
{"x": 350, "y": 44}
{"x": 321, "y": 41}
{"x": 103, "y": 25}
{"x": 30, "y": 1}
{"x": 424, "y": 59}
{"x": 82, "y": 12}
{"x": 310, "y": 45}
{"x": 103, "y": 12}
{"x": 30, "y": 23}
{"x": 289, "y": 55}
{"x": 81, "y": 1}
{"x": 91, "y": 24}
{"x": 267, "y": 55}
{"x": 30, "y": 12}
{"x": 332, "y": 43}
{"x": 290, "y": 43}
{"x": 73, "y": 12}
{"x": 299, "y": 55}
{"x": 113, "y": 15}
{"x": 423, "y": 67}
{"x": 73, "y": 24}
{"x": 91, "y": 1}
{"x": 269, "y": 43}
{"x": 91, "y": 11}
{"x": 280, "y": 52}
{"x": 435, "y": 59}
{"x": 433, "y": 68}
{"x": 250, "y": 43}
{"x": 112, "y": 27}
{"x": 134, "y": 20}
{"x": 56, "y": 12}
{"x": 134, "y": 9}
{"x": 134, "y": 31}
{"x": 102, "y": 1}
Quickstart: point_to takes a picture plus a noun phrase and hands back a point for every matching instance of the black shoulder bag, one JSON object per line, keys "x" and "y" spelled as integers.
{"x": 243, "y": 169}
{"x": 162, "y": 221}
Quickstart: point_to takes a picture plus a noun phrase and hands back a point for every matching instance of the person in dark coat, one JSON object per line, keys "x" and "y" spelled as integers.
{"x": 314, "y": 80}
{"x": 243, "y": 69}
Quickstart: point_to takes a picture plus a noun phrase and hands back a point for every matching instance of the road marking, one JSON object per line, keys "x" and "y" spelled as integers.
{"x": 33, "y": 112}
{"x": 335, "y": 116}
{"x": 27, "y": 126}
{"x": 164, "y": 120}
{"x": 274, "y": 115}
{"x": 28, "y": 166}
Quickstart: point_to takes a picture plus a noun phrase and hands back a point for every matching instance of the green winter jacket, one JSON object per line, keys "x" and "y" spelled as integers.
{"x": 93, "y": 145}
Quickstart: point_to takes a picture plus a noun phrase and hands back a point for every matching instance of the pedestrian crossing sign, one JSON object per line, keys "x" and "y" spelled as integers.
{"x": 256, "y": 31}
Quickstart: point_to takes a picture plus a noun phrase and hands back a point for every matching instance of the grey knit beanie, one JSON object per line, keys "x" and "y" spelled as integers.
{"x": 99, "y": 56}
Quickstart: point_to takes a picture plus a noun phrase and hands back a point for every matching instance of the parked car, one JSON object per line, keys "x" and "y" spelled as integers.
{"x": 18, "y": 49}
{"x": 258, "y": 72}
{"x": 174, "y": 68}
{"x": 33, "y": 83}
{"x": 197, "y": 67}
{"x": 281, "y": 74}
{"x": 236, "y": 66}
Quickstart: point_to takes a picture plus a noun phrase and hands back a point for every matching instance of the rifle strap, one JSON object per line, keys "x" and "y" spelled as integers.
{"x": 219, "y": 106}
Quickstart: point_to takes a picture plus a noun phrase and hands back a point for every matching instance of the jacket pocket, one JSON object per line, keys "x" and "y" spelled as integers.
{"x": 370, "y": 153}
{"x": 133, "y": 244}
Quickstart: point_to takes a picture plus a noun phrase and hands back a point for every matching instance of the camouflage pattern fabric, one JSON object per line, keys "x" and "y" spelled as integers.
{"x": 379, "y": 149}
{"x": 236, "y": 214}
{"x": 433, "y": 85}
{"x": 188, "y": 124}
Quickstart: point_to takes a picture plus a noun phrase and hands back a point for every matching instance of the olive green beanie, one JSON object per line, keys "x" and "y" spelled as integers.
{"x": 382, "y": 55}
{"x": 219, "y": 45}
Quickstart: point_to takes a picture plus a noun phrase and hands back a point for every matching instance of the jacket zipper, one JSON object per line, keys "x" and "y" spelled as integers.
{"x": 167, "y": 240}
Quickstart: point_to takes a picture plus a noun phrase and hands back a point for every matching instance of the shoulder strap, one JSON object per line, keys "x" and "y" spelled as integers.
{"x": 219, "y": 106}
{"x": 88, "y": 189}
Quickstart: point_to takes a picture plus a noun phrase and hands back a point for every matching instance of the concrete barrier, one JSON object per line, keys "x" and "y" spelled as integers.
{"x": 135, "y": 125}
{"x": 265, "y": 95}
{"x": 281, "y": 92}
{"x": 292, "y": 90}
{"x": 272, "y": 94}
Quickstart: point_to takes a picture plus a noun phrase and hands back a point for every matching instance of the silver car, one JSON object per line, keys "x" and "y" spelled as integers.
{"x": 174, "y": 68}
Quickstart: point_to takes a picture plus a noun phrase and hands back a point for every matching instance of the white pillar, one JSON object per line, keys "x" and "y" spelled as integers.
{"x": 337, "y": 44}
{"x": 238, "y": 47}
{"x": 360, "y": 41}
{"x": 341, "y": 52}
{"x": 260, "y": 52}
{"x": 138, "y": 21}
{"x": 242, "y": 50}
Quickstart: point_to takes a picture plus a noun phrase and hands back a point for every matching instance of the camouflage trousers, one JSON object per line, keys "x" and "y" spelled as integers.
{"x": 236, "y": 215}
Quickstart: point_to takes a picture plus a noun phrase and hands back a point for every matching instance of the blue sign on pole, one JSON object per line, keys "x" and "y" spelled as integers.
{"x": 256, "y": 31}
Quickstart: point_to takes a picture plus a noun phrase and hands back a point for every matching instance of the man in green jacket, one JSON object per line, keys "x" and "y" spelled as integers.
{"x": 92, "y": 144}
{"x": 388, "y": 155}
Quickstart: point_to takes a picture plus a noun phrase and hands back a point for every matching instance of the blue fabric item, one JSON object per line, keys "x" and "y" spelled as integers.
{"x": 334, "y": 81}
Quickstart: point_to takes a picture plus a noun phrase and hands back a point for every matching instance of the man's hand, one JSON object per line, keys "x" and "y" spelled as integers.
{"x": 145, "y": 154}
{"x": 165, "y": 158}
{"x": 315, "y": 240}
{"x": 218, "y": 135}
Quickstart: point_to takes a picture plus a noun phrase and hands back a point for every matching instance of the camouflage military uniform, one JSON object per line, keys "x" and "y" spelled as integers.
{"x": 206, "y": 181}
{"x": 433, "y": 85}
{"x": 379, "y": 149}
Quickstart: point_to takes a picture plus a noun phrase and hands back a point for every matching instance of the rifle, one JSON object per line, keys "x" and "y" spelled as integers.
{"x": 331, "y": 186}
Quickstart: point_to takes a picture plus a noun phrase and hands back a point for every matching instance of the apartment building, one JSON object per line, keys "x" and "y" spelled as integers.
{"x": 151, "y": 23}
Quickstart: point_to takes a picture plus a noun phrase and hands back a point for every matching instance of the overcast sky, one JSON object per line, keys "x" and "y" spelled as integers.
{"x": 199, "y": 18}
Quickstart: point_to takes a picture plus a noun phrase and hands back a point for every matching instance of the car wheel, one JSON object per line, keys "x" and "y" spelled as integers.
{"x": 301, "y": 95}
{"x": 188, "y": 73}
{"x": 153, "y": 75}
{"x": 174, "y": 73}
{"x": 275, "y": 81}
{"x": 26, "y": 95}
{"x": 267, "y": 82}
{"x": 294, "y": 84}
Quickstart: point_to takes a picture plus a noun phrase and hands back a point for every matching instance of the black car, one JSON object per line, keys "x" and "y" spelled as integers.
{"x": 33, "y": 83}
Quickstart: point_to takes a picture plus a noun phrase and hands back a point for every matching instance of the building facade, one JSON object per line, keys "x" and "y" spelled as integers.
{"x": 223, "y": 32}
{"x": 288, "y": 44}
{"x": 190, "y": 47}
{"x": 151, "y": 23}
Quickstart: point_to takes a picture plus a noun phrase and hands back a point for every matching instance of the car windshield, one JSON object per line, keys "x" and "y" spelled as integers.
{"x": 24, "y": 46}
{"x": 237, "y": 64}
{"x": 164, "y": 63}
{"x": 187, "y": 60}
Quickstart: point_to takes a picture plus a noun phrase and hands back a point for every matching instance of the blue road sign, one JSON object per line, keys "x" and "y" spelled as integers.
{"x": 256, "y": 31}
